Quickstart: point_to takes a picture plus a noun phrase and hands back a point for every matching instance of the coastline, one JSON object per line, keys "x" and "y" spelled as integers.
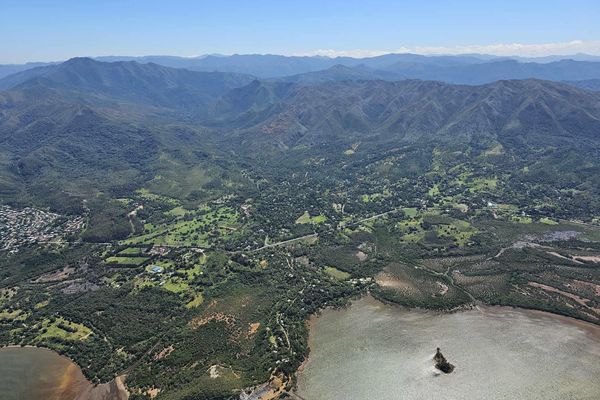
{"x": 490, "y": 310}
{"x": 116, "y": 387}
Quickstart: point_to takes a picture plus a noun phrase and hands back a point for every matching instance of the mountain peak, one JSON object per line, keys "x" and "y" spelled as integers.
{"x": 79, "y": 60}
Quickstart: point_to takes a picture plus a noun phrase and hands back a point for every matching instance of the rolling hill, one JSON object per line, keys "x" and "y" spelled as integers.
{"x": 86, "y": 126}
{"x": 530, "y": 111}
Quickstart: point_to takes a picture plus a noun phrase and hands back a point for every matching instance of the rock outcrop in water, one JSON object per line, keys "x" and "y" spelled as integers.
{"x": 441, "y": 363}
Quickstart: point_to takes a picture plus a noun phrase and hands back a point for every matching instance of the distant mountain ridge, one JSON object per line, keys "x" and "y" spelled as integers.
{"x": 471, "y": 74}
{"x": 9, "y": 69}
{"x": 450, "y": 68}
{"x": 149, "y": 84}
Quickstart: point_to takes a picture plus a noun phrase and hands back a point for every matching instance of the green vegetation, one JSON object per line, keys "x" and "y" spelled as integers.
{"x": 260, "y": 217}
{"x": 196, "y": 228}
{"x": 132, "y": 251}
{"x": 336, "y": 273}
{"x": 135, "y": 261}
{"x": 63, "y": 329}
{"x": 307, "y": 219}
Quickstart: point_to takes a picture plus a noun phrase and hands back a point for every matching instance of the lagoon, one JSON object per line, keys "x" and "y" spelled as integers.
{"x": 376, "y": 351}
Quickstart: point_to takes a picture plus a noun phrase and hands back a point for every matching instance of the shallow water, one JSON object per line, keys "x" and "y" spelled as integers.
{"x": 28, "y": 373}
{"x": 377, "y": 351}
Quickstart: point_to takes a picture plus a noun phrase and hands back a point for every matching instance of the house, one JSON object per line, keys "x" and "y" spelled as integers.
{"x": 156, "y": 269}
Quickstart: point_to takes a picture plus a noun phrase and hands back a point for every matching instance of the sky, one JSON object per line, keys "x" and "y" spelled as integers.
{"x": 54, "y": 30}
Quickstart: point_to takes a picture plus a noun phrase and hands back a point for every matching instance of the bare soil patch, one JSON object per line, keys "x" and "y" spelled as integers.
{"x": 580, "y": 300}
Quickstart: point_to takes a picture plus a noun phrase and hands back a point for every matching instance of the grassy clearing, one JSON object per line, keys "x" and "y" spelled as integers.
{"x": 593, "y": 235}
{"x": 367, "y": 198}
{"x": 176, "y": 285}
{"x": 15, "y": 315}
{"x": 461, "y": 207}
{"x": 410, "y": 212}
{"x": 146, "y": 194}
{"x": 191, "y": 273}
{"x": 196, "y": 232}
{"x": 457, "y": 231}
{"x": 177, "y": 212}
{"x": 336, "y": 273}
{"x": 411, "y": 230}
{"x": 42, "y": 304}
{"x": 198, "y": 299}
{"x": 434, "y": 191}
{"x": 307, "y": 219}
{"x": 118, "y": 260}
{"x": 483, "y": 184}
{"x": 522, "y": 220}
{"x": 61, "y": 328}
{"x": 352, "y": 149}
{"x": 436, "y": 230}
{"x": 132, "y": 251}
{"x": 548, "y": 221}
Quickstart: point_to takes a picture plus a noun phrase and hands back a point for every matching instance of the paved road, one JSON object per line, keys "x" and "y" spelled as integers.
{"x": 285, "y": 242}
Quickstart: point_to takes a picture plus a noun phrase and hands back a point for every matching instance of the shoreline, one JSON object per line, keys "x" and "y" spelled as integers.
{"x": 118, "y": 382}
{"x": 587, "y": 326}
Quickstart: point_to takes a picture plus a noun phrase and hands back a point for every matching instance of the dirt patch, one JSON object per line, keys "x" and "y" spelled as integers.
{"x": 219, "y": 371}
{"x": 213, "y": 303}
{"x": 133, "y": 213}
{"x": 159, "y": 250}
{"x": 219, "y": 317}
{"x": 580, "y": 300}
{"x": 303, "y": 260}
{"x": 595, "y": 259}
{"x": 54, "y": 276}
{"x": 361, "y": 256}
{"x": 153, "y": 392}
{"x": 164, "y": 352}
{"x": 443, "y": 288}
{"x": 583, "y": 285}
{"x": 253, "y": 328}
{"x": 80, "y": 287}
{"x": 555, "y": 254}
{"x": 214, "y": 371}
{"x": 388, "y": 280}
{"x": 267, "y": 391}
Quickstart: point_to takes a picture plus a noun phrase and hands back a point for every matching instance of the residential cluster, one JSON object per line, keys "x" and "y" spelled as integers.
{"x": 26, "y": 226}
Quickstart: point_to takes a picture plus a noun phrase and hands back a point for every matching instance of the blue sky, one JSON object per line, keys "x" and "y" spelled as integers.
{"x": 59, "y": 29}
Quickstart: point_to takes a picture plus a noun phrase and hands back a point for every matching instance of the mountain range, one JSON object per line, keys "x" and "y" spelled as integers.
{"x": 86, "y": 125}
{"x": 468, "y": 69}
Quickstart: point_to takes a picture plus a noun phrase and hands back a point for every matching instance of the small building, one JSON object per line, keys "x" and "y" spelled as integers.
{"x": 155, "y": 269}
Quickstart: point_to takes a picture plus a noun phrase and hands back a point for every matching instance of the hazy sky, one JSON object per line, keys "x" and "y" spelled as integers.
{"x": 59, "y": 29}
